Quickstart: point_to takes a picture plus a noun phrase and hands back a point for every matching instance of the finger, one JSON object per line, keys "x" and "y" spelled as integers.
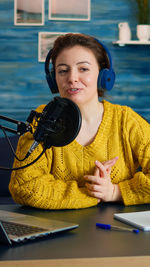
{"x": 93, "y": 187}
{"x": 110, "y": 163}
{"x": 92, "y": 179}
{"x": 96, "y": 172}
{"x": 97, "y": 195}
{"x": 108, "y": 170}
{"x": 102, "y": 168}
{"x": 95, "y": 180}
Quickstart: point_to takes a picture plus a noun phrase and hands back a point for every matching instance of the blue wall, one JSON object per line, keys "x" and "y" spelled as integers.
{"x": 22, "y": 80}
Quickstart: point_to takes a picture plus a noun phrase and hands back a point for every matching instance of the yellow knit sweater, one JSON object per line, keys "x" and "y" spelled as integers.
{"x": 56, "y": 181}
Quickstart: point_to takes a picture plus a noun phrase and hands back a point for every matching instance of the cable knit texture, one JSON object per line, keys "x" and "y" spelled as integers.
{"x": 56, "y": 181}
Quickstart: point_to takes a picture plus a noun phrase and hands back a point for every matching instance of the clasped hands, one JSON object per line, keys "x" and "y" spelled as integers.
{"x": 99, "y": 184}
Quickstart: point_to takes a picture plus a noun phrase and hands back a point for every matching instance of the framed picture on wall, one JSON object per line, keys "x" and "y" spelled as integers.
{"x": 69, "y": 10}
{"x": 45, "y": 43}
{"x": 28, "y": 13}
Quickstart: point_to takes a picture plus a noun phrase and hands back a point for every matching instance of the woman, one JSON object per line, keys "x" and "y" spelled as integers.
{"x": 101, "y": 163}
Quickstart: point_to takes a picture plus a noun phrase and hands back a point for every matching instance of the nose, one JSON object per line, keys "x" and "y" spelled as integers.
{"x": 73, "y": 76}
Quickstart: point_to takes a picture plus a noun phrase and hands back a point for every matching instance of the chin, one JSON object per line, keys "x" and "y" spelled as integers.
{"x": 76, "y": 98}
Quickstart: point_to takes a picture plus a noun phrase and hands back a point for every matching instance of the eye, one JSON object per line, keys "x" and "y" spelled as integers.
{"x": 83, "y": 69}
{"x": 62, "y": 71}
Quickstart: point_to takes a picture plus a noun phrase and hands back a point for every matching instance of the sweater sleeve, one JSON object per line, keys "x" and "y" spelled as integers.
{"x": 137, "y": 189}
{"x": 35, "y": 186}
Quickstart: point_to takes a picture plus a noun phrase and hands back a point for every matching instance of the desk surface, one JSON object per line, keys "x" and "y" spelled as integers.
{"x": 84, "y": 242}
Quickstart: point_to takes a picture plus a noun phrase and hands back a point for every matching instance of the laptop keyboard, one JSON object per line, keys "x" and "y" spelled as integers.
{"x": 19, "y": 230}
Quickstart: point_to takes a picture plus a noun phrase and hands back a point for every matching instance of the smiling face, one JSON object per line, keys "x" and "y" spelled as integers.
{"x": 77, "y": 70}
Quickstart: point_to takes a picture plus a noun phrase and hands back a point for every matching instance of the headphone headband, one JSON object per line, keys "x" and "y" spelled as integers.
{"x": 106, "y": 77}
{"x": 107, "y": 52}
{"x": 47, "y": 61}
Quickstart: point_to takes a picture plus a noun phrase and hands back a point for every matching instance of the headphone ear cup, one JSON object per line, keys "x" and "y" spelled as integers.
{"x": 50, "y": 74}
{"x": 106, "y": 79}
{"x": 50, "y": 77}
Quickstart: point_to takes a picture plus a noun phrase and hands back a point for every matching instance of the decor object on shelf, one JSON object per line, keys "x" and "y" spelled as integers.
{"x": 144, "y": 12}
{"x": 143, "y": 32}
{"x": 124, "y": 31}
{"x": 143, "y": 27}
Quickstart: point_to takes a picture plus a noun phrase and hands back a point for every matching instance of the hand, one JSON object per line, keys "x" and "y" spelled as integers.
{"x": 99, "y": 185}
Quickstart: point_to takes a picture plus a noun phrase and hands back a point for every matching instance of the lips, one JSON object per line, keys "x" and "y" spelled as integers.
{"x": 73, "y": 90}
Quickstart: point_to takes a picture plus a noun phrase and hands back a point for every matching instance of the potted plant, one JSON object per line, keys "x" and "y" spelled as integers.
{"x": 143, "y": 27}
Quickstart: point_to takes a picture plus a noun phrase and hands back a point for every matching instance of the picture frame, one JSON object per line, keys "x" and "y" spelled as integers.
{"x": 69, "y": 10}
{"x": 45, "y": 43}
{"x": 28, "y": 13}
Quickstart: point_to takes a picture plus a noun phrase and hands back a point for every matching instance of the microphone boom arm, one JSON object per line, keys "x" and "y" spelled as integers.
{"x": 22, "y": 127}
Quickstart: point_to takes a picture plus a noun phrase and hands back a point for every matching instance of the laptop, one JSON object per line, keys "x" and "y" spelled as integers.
{"x": 16, "y": 227}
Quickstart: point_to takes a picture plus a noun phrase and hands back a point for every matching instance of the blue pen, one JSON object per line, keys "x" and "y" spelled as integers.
{"x": 118, "y": 228}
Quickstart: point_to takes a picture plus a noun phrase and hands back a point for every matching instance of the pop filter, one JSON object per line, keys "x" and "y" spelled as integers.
{"x": 59, "y": 123}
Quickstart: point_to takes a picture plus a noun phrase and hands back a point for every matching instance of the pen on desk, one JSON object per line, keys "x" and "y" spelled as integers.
{"x": 118, "y": 228}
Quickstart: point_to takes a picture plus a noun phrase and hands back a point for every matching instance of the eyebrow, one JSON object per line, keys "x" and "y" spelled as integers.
{"x": 81, "y": 62}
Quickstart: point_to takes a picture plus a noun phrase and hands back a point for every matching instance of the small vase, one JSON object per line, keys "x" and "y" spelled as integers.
{"x": 143, "y": 32}
{"x": 124, "y": 31}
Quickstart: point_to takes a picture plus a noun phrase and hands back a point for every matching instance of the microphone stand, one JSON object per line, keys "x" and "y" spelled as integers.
{"x": 22, "y": 127}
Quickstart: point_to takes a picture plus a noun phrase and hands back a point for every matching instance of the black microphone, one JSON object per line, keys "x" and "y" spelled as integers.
{"x": 59, "y": 124}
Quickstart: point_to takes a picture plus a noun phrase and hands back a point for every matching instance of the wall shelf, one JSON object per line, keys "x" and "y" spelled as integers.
{"x": 131, "y": 42}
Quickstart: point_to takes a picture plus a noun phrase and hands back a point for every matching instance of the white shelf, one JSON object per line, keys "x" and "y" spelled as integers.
{"x": 131, "y": 42}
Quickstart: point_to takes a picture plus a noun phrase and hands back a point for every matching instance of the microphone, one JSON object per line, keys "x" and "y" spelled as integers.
{"x": 59, "y": 124}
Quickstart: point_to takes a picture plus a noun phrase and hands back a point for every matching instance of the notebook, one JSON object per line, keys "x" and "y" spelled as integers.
{"x": 140, "y": 219}
{"x": 16, "y": 227}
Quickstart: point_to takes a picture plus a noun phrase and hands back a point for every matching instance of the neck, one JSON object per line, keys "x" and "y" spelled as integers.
{"x": 91, "y": 112}
{"x": 91, "y": 119}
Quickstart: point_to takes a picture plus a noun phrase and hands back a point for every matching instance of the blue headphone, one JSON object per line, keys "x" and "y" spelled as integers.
{"x": 106, "y": 77}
